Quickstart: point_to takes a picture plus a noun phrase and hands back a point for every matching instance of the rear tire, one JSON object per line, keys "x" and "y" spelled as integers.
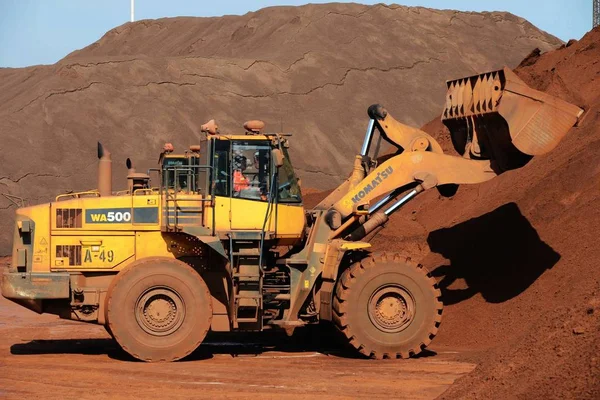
{"x": 159, "y": 309}
{"x": 387, "y": 307}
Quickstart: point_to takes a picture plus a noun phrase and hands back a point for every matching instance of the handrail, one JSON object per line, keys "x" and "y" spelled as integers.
{"x": 77, "y": 195}
{"x": 171, "y": 193}
{"x": 143, "y": 191}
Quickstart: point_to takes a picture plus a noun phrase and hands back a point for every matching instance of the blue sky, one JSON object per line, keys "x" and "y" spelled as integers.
{"x": 44, "y": 31}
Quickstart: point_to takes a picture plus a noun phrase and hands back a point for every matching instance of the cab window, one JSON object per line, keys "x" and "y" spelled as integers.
{"x": 288, "y": 187}
{"x": 251, "y": 168}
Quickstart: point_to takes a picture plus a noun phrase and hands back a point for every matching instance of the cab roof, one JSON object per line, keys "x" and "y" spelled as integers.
{"x": 242, "y": 137}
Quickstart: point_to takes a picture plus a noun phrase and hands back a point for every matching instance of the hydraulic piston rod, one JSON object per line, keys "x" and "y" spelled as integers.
{"x": 368, "y": 136}
{"x": 377, "y": 219}
{"x": 385, "y": 200}
{"x": 403, "y": 200}
{"x": 381, "y": 203}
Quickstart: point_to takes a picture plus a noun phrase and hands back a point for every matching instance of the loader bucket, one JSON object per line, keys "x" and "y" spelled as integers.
{"x": 496, "y": 116}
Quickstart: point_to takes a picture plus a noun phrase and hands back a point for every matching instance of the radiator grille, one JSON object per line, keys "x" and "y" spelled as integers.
{"x": 73, "y": 252}
{"x": 68, "y": 217}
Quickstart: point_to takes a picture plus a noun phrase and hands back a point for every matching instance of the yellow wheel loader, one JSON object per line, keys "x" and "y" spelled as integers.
{"x": 222, "y": 242}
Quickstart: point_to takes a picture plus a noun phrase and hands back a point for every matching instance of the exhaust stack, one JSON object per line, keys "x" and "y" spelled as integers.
{"x": 130, "y": 167}
{"x": 104, "y": 171}
{"x": 136, "y": 180}
{"x": 130, "y": 174}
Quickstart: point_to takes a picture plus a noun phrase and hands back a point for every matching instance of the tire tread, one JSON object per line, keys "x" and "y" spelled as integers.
{"x": 118, "y": 281}
{"x": 345, "y": 286}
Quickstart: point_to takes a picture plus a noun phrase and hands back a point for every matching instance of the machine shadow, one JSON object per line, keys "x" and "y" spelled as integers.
{"x": 311, "y": 339}
{"x": 322, "y": 339}
{"x": 71, "y": 346}
{"x": 498, "y": 254}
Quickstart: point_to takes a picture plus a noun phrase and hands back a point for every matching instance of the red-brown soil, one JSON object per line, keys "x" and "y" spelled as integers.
{"x": 44, "y": 357}
{"x": 517, "y": 257}
{"x": 536, "y": 298}
{"x": 310, "y": 70}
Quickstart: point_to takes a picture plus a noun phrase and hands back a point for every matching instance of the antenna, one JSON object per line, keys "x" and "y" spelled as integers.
{"x": 132, "y": 9}
{"x": 596, "y": 15}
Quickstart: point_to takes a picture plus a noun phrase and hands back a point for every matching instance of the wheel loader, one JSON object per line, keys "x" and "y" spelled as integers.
{"x": 219, "y": 238}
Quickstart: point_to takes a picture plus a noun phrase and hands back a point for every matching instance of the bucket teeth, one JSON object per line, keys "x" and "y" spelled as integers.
{"x": 513, "y": 119}
{"x": 473, "y": 95}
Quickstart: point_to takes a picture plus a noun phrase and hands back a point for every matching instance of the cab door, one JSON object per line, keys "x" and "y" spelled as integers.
{"x": 252, "y": 174}
{"x": 242, "y": 182}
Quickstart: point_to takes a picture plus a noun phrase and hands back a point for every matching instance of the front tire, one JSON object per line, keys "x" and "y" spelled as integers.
{"x": 107, "y": 328}
{"x": 159, "y": 309}
{"x": 387, "y": 307}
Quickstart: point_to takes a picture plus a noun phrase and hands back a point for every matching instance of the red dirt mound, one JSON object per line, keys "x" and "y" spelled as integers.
{"x": 517, "y": 256}
{"x": 546, "y": 336}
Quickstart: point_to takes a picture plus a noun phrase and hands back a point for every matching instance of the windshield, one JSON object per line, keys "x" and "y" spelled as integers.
{"x": 251, "y": 169}
{"x": 288, "y": 187}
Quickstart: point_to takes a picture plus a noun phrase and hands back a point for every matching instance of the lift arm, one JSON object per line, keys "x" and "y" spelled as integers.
{"x": 424, "y": 168}
{"x": 496, "y": 123}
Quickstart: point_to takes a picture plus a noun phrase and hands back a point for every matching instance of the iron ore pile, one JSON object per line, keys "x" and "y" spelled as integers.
{"x": 517, "y": 257}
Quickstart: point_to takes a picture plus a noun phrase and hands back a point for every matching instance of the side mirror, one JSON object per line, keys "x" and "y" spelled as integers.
{"x": 277, "y": 157}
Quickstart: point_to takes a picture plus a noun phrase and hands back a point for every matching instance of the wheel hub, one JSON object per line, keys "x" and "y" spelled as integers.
{"x": 391, "y": 308}
{"x": 160, "y": 311}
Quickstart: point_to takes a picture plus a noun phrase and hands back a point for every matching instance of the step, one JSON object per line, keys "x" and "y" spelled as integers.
{"x": 250, "y": 295}
{"x": 250, "y": 271}
{"x": 247, "y": 252}
{"x": 245, "y": 320}
{"x": 247, "y": 277}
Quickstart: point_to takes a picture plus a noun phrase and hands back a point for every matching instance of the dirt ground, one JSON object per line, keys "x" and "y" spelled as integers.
{"x": 516, "y": 257}
{"x": 42, "y": 356}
